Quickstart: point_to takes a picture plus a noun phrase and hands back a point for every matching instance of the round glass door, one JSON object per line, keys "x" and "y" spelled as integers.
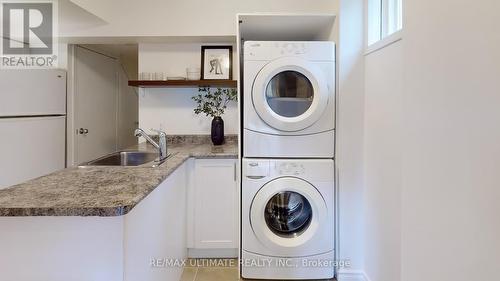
{"x": 289, "y": 93}
{"x": 288, "y": 214}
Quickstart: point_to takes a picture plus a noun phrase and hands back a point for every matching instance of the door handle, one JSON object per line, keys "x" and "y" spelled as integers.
{"x": 83, "y": 131}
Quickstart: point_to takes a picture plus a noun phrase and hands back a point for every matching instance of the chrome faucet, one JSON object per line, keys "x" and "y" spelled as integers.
{"x": 161, "y": 145}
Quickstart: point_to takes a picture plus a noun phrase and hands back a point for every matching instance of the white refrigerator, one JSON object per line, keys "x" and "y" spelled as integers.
{"x": 32, "y": 124}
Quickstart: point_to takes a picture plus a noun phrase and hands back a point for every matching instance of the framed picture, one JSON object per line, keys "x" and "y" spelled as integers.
{"x": 217, "y": 62}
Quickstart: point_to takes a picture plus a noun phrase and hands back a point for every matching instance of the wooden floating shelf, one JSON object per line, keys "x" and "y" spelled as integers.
{"x": 182, "y": 83}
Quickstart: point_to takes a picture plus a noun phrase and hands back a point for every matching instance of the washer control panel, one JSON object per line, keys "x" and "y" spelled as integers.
{"x": 290, "y": 168}
{"x": 265, "y": 170}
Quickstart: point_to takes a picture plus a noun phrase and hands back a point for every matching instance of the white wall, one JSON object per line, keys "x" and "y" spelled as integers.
{"x": 349, "y": 144}
{"x": 432, "y": 152}
{"x": 451, "y": 158}
{"x": 128, "y": 109}
{"x": 115, "y": 18}
{"x": 172, "y": 108}
{"x": 382, "y": 159}
{"x": 172, "y": 111}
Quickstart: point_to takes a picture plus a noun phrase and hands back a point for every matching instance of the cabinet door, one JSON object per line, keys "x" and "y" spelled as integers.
{"x": 216, "y": 204}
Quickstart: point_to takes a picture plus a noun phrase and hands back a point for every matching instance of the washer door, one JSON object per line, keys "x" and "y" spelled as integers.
{"x": 290, "y": 94}
{"x": 286, "y": 215}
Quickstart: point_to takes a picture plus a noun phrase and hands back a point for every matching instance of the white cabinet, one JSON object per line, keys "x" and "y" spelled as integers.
{"x": 118, "y": 248}
{"x": 215, "y": 208}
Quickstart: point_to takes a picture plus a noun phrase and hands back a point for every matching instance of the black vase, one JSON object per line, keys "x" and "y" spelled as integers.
{"x": 217, "y": 131}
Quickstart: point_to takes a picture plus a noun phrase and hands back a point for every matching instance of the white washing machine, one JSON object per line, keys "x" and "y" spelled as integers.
{"x": 289, "y": 99}
{"x": 287, "y": 219}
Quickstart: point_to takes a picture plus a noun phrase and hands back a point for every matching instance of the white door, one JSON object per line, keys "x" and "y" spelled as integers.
{"x": 31, "y": 147}
{"x": 216, "y": 204}
{"x": 96, "y": 104}
{"x": 290, "y": 94}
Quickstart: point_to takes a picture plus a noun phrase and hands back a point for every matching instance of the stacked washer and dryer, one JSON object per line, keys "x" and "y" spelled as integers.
{"x": 287, "y": 202}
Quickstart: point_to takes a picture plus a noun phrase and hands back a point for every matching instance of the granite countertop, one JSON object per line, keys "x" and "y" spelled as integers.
{"x": 101, "y": 191}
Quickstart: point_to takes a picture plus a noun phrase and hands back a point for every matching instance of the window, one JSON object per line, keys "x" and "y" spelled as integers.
{"x": 385, "y": 17}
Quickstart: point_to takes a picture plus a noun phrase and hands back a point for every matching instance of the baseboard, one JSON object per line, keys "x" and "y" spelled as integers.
{"x": 352, "y": 275}
{"x": 212, "y": 253}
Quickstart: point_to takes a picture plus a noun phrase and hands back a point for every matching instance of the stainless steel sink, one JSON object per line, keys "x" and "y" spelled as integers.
{"x": 127, "y": 159}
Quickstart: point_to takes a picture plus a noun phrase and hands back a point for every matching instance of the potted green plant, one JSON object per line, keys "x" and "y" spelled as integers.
{"x": 214, "y": 104}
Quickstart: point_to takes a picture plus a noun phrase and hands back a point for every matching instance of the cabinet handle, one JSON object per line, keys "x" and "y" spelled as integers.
{"x": 255, "y": 177}
{"x": 234, "y": 171}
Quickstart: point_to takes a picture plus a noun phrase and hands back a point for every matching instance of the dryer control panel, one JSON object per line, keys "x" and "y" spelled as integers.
{"x": 283, "y": 48}
{"x": 308, "y": 50}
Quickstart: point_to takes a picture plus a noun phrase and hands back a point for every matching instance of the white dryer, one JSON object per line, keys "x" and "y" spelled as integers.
{"x": 289, "y": 99}
{"x": 287, "y": 219}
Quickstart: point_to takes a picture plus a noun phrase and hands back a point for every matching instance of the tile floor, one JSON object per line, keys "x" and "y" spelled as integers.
{"x": 212, "y": 270}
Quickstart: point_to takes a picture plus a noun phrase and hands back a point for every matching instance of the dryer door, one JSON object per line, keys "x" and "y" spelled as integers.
{"x": 288, "y": 215}
{"x": 290, "y": 94}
